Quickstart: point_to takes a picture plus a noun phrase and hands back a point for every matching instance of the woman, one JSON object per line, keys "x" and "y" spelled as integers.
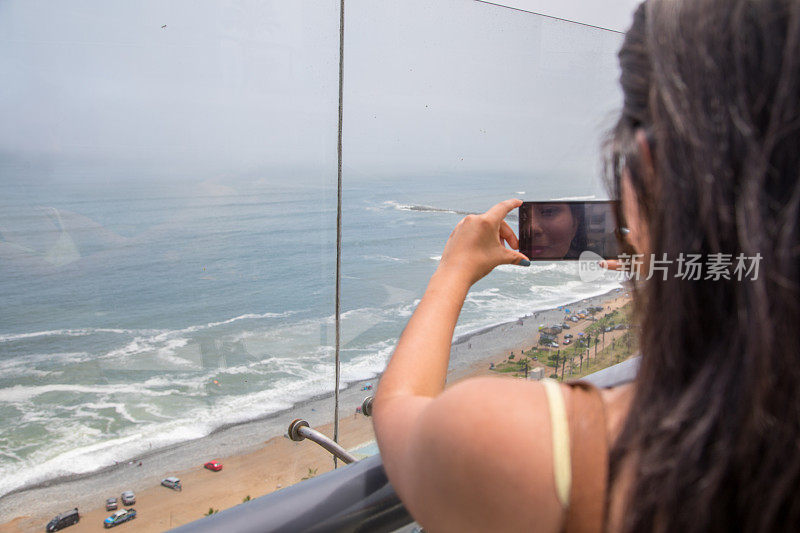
{"x": 707, "y": 438}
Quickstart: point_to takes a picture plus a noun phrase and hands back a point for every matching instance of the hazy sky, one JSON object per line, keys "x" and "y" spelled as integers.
{"x": 467, "y": 87}
{"x": 612, "y": 14}
{"x": 245, "y": 83}
{"x": 238, "y": 86}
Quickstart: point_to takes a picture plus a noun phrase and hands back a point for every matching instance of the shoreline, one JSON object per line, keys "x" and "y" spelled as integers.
{"x": 28, "y": 508}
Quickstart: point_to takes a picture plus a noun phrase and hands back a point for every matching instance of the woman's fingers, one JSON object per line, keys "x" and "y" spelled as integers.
{"x": 508, "y": 234}
{"x": 518, "y": 258}
{"x": 498, "y": 214}
{"x": 499, "y": 211}
{"x": 476, "y": 246}
{"x": 610, "y": 264}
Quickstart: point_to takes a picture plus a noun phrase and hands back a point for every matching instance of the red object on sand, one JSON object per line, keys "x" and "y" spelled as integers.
{"x": 216, "y": 466}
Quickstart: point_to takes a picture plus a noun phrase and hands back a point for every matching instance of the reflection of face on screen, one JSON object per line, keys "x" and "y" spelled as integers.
{"x": 562, "y": 230}
{"x": 552, "y": 228}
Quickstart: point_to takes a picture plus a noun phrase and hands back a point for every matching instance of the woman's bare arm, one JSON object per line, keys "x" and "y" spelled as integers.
{"x": 418, "y": 366}
{"x": 450, "y": 455}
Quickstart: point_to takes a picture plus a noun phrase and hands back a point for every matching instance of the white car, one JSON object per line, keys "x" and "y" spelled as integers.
{"x": 172, "y": 483}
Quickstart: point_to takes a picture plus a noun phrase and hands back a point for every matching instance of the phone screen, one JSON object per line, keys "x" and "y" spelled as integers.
{"x": 551, "y": 231}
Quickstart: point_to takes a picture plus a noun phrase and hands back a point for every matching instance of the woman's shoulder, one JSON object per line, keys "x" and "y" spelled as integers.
{"x": 487, "y": 455}
{"x": 485, "y": 458}
{"x": 617, "y": 404}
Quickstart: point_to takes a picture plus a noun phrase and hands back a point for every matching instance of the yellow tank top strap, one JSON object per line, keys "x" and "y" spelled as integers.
{"x": 562, "y": 466}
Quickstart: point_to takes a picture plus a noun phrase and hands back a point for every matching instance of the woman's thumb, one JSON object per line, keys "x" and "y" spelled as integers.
{"x": 516, "y": 258}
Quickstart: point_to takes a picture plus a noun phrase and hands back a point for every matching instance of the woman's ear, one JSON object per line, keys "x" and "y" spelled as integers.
{"x": 643, "y": 144}
{"x": 637, "y": 226}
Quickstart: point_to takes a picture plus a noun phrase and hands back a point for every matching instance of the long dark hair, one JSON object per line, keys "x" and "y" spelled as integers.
{"x": 712, "y": 439}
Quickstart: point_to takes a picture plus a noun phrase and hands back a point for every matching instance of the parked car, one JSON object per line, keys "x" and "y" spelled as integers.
{"x": 609, "y": 328}
{"x": 60, "y": 521}
{"x": 620, "y": 326}
{"x": 568, "y": 336}
{"x": 216, "y": 466}
{"x": 172, "y": 483}
{"x": 567, "y": 341}
{"x": 123, "y": 515}
{"x": 573, "y": 318}
{"x": 111, "y": 504}
{"x": 564, "y": 326}
{"x": 128, "y": 498}
{"x": 554, "y": 345}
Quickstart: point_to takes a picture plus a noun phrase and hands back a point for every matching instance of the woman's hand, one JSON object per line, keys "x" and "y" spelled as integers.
{"x": 610, "y": 264}
{"x": 476, "y": 246}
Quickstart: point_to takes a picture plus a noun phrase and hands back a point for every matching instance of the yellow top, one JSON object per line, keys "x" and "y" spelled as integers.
{"x": 562, "y": 467}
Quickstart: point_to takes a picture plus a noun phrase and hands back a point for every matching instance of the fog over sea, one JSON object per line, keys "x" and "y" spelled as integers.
{"x": 140, "y": 313}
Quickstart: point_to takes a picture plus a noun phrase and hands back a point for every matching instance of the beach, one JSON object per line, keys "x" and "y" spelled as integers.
{"x": 258, "y": 458}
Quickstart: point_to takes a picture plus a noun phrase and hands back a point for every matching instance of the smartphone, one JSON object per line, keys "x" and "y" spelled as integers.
{"x": 554, "y": 230}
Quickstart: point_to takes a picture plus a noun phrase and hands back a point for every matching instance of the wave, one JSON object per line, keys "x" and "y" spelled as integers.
{"x": 384, "y": 258}
{"x": 433, "y": 209}
{"x": 90, "y": 409}
{"x": 24, "y": 393}
{"x": 140, "y": 344}
{"x": 370, "y": 364}
{"x": 22, "y": 363}
{"x": 425, "y": 208}
{"x": 162, "y": 343}
{"x": 78, "y": 332}
{"x": 246, "y": 316}
{"x": 75, "y": 449}
{"x": 80, "y": 449}
{"x": 155, "y": 333}
{"x": 556, "y": 285}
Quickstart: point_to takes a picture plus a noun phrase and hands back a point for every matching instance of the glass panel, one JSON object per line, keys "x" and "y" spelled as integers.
{"x": 614, "y": 15}
{"x": 167, "y": 251}
{"x": 451, "y": 107}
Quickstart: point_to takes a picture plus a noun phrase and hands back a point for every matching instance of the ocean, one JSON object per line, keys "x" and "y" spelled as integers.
{"x": 143, "y": 312}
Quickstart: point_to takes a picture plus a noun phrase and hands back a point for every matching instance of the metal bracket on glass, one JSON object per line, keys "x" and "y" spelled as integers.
{"x": 299, "y": 430}
{"x": 366, "y": 407}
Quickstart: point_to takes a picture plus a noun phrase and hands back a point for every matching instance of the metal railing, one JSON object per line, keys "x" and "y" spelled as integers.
{"x": 300, "y": 430}
{"x": 354, "y": 498}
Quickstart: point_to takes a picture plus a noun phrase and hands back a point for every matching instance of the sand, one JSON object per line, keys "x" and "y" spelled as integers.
{"x": 258, "y": 458}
